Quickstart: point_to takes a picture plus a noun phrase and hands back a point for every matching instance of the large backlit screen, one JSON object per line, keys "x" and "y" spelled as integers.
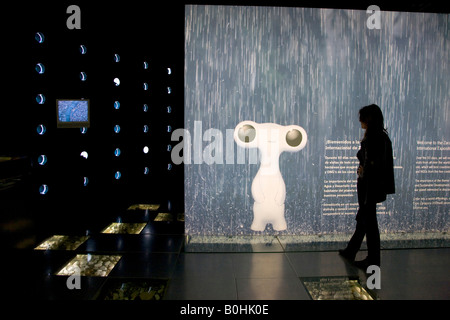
{"x": 314, "y": 68}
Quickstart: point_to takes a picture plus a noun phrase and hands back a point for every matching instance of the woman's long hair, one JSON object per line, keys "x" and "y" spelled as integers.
{"x": 373, "y": 117}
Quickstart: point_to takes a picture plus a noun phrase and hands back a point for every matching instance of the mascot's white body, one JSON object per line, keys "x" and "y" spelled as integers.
{"x": 268, "y": 187}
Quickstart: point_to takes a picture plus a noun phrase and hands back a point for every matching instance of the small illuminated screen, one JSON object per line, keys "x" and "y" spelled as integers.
{"x": 72, "y": 113}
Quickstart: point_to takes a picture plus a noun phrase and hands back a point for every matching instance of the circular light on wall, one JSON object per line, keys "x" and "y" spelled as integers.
{"x": 145, "y": 108}
{"x": 41, "y": 129}
{"x": 117, "y": 175}
{"x": 83, "y": 76}
{"x": 116, "y": 105}
{"x": 169, "y": 129}
{"x": 116, "y": 82}
{"x": 145, "y": 149}
{"x": 85, "y": 181}
{"x": 169, "y": 166}
{"x": 169, "y": 90}
{"x": 169, "y": 148}
{"x": 117, "y": 152}
{"x": 40, "y": 98}
{"x": 42, "y": 159}
{"x": 169, "y": 109}
{"x": 43, "y": 189}
{"x": 146, "y": 170}
{"x": 39, "y": 68}
{"x": 84, "y": 154}
{"x": 83, "y": 49}
{"x": 116, "y": 57}
{"x": 83, "y": 130}
{"x": 145, "y": 65}
{"x": 116, "y": 128}
{"x": 145, "y": 129}
{"x": 39, "y": 37}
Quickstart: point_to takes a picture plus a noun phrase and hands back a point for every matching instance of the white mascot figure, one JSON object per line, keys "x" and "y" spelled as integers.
{"x": 268, "y": 187}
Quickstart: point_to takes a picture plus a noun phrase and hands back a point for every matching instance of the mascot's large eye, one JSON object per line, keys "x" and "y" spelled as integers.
{"x": 247, "y": 133}
{"x": 294, "y": 138}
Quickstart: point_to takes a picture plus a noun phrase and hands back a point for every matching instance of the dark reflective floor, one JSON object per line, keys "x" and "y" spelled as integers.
{"x": 269, "y": 272}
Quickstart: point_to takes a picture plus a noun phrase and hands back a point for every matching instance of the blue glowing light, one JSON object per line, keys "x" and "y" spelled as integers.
{"x": 42, "y": 159}
{"x": 40, "y": 98}
{"x": 39, "y": 36}
{"x": 145, "y": 86}
{"x": 146, "y": 170}
{"x": 43, "y": 189}
{"x": 41, "y": 129}
{"x": 116, "y": 57}
{"x": 145, "y": 108}
{"x": 40, "y": 68}
{"x": 83, "y": 49}
{"x": 116, "y": 105}
{"x": 85, "y": 181}
{"x": 117, "y": 175}
{"x": 83, "y": 76}
{"x": 145, "y": 129}
{"x": 116, "y": 128}
{"x": 117, "y": 152}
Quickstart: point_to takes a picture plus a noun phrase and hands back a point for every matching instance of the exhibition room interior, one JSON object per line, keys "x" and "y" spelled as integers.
{"x": 137, "y": 143}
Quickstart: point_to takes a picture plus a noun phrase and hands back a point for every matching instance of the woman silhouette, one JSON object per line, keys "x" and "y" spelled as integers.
{"x": 375, "y": 181}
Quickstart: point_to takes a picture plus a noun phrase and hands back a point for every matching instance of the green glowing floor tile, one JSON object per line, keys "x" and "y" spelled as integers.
{"x": 151, "y": 207}
{"x": 163, "y": 216}
{"x": 335, "y": 288}
{"x": 90, "y": 265}
{"x": 128, "y": 228}
{"x": 61, "y": 242}
{"x": 133, "y": 289}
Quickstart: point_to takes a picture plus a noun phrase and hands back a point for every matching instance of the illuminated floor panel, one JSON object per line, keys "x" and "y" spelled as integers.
{"x": 90, "y": 265}
{"x": 166, "y": 216}
{"x": 162, "y": 216}
{"x": 335, "y": 288}
{"x": 128, "y": 228}
{"x": 133, "y": 289}
{"x": 60, "y": 242}
{"x": 151, "y": 207}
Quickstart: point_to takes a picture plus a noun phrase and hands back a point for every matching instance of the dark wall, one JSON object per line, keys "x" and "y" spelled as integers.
{"x": 136, "y": 33}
